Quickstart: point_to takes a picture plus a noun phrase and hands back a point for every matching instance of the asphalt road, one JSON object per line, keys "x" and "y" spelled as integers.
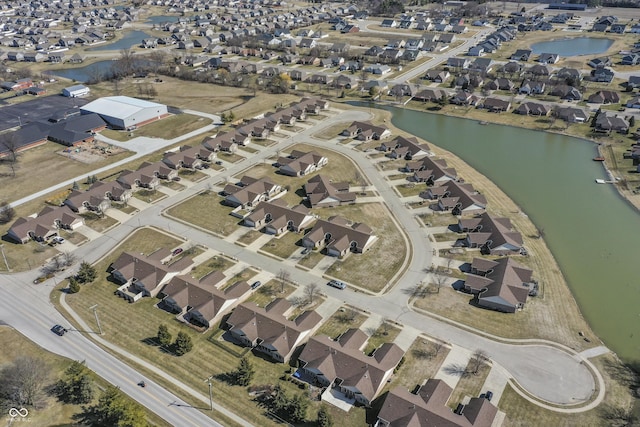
{"x": 27, "y": 308}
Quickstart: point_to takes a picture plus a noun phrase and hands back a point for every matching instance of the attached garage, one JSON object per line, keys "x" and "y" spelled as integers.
{"x": 123, "y": 112}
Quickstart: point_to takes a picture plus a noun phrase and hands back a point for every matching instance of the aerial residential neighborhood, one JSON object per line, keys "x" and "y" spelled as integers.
{"x": 259, "y": 213}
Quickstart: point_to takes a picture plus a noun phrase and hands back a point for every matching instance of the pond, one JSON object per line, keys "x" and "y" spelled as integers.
{"x": 129, "y": 40}
{"x": 573, "y": 46}
{"x": 161, "y": 19}
{"x": 86, "y": 73}
{"x": 588, "y": 227}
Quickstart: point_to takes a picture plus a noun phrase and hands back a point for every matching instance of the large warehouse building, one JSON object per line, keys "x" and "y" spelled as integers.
{"x": 123, "y": 112}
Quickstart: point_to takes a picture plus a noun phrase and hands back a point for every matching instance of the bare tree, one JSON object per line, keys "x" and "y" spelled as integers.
{"x": 478, "y": 358}
{"x": 348, "y": 316}
{"x": 363, "y": 76}
{"x": 10, "y": 145}
{"x": 437, "y": 347}
{"x": 439, "y": 280}
{"x": 385, "y": 326}
{"x": 23, "y": 380}
{"x": 311, "y": 291}
{"x": 283, "y": 276}
{"x": 68, "y": 258}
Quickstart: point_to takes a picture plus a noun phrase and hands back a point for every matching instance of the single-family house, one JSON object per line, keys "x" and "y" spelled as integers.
{"x": 572, "y": 114}
{"x": 277, "y": 218}
{"x": 533, "y": 109}
{"x": 404, "y": 148}
{"x": 521, "y": 55}
{"x": 46, "y": 224}
{"x": 366, "y": 131}
{"x": 548, "y": 58}
{"x": 457, "y": 197}
{"x": 495, "y": 105}
{"x": 604, "y": 97}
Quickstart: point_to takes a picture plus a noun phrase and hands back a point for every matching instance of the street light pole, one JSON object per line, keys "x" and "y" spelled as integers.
{"x": 210, "y": 393}
{"x": 95, "y": 313}
{"x": 4, "y": 257}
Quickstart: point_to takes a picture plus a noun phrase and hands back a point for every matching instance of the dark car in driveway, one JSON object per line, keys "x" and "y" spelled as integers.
{"x": 58, "y": 330}
{"x": 256, "y": 284}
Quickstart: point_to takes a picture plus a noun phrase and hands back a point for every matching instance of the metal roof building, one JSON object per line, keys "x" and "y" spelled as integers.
{"x": 123, "y": 112}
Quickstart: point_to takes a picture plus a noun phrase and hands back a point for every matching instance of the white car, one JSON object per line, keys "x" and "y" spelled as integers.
{"x": 58, "y": 239}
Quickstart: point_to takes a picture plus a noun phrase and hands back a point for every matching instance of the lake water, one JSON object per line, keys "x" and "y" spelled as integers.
{"x": 84, "y": 74}
{"x": 591, "y": 230}
{"x": 573, "y": 46}
{"x": 161, "y": 19}
{"x": 130, "y": 39}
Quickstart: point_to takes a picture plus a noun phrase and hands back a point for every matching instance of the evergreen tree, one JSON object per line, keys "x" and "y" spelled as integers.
{"x": 245, "y": 372}
{"x": 75, "y": 186}
{"x": 280, "y": 401}
{"x": 183, "y": 344}
{"x": 74, "y": 286}
{"x": 76, "y": 386}
{"x": 86, "y": 273}
{"x": 324, "y": 419}
{"x": 114, "y": 409}
{"x": 164, "y": 336}
{"x": 298, "y": 408}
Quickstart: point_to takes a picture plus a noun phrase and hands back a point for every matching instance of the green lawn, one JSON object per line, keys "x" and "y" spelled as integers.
{"x": 284, "y": 246}
{"x": 342, "y": 320}
{"x": 373, "y": 269}
{"x": 206, "y": 210}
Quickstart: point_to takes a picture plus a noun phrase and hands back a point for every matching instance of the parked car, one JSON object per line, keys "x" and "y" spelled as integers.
{"x": 337, "y": 284}
{"x": 177, "y": 251}
{"x": 59, "y": 330}
{"x": 256, "y": 284}
{"x": 306, "y": 251}
{"x": 488, "y": 395}
{"x": 58, "y": 239}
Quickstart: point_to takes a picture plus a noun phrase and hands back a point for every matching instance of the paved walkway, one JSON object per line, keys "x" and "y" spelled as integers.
{"x": 371, "y": 324}
{"x": 406, "y": 337}
{"x": 328, "y": 307}
{"x": 453, "y": 365}
{"x": 594, "y": 352}
{"x": 495, "y": 382}
{"x": 118, "y": 215}
{"x": 262, "y": 240}
{"x": 88, "y": 232}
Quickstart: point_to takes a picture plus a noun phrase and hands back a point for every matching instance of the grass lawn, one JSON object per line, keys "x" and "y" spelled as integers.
{"x": 385, "y": 333}
{"x": 45, "y": 162}
{"x": 271, "y": 290}
{"x": 332, "y": 131}
{"x": 342, "y": 320}
{"x": 397, "y": 176}
{"x": 53, "y": 412}
{"x": 263, "y": 142}
{"x": 248, "y": 149}
{"x": 215, "y": 263}
{"x": 192, "y": 175}
{"x": 421, "y": 362}
{"x": 311, "y": 259}
{"x": 25, "y": 257}
{"x": 243, "y": 275}
{"x": 149, "y": 196}
{"x": 173, "y": 185}
{"x": 249, "y": 237}
{"x": 230, "y": 157}
{"x": 284, "y": 246}
{"x": 410, "y": 189}
{"x": 118, "y": 135}
{"x": 217, "y": 218}
{"x": 469, "y": 385}
{"x": 124, "y": 208}
{"x": 98, "y": 224}
{"x": 172, "y": 126}
{"x": 373, "y": 269}
{"x": 73, "y": 236}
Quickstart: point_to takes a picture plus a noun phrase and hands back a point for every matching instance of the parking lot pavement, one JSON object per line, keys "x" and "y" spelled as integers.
{"x": 452, "y": 366}
{"x": 496, "y": 382}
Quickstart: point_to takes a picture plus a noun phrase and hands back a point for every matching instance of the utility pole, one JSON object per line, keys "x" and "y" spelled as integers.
{"x": 4, "y": 257}
{"x": 210, "y": 393}
{"x": 95, "y": 313}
